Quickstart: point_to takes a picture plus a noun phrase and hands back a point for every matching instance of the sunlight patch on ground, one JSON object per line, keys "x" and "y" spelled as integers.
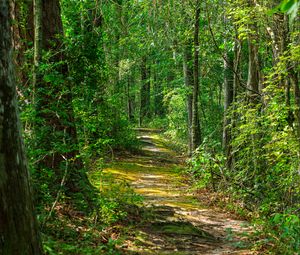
{"x": 177, "y": 224}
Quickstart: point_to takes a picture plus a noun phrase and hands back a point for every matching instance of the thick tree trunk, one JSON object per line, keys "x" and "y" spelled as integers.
{"x": 18, "y": 225}
{"x": 253, "y": 82}
{"x": 196, "y": 130}
{"x": 56, "y": 128}
{"x": 188, "y": 81}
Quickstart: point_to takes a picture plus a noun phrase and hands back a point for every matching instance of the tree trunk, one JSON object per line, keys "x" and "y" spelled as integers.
{"x": 130, "y": 100}
{"x": 158, "y": 94}
{"x": 38, "y": 37}
{"x": 188, "y": 81}
{"x": 228, "y": 100}
{"x": 18, "y": 225}
{"x": 295, "y": 81}
{"x": 196, "y": 131}
{"x": 145, "y": 91}
{"x": 21, "y": 14}
{"x": 253, "y": 82}
{"x": 55, "y": 129}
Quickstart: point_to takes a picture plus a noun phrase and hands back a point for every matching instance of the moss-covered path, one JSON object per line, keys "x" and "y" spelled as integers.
{"x": 174, "y": 221}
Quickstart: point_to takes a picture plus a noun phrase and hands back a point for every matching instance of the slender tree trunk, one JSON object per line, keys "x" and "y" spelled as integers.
{"x": 130, "y": 100}
{"x": 228, "y": 100}
{"x": 188, "y": 80}
{"x": 158, "y": 94}
{"x": 18, "y": 225}
{"x": 145, "y": 91}
{"x": 22, "y": 34}
{"x": 253, "y": 82}
{"x": 295, "y": 81}
{"x": 38, "y": 38}
{"x": 196, "y": 131}
{"x": 236, "y": 83}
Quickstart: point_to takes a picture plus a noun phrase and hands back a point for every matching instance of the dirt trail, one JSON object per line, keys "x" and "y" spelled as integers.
{"x": 176, "y": 222}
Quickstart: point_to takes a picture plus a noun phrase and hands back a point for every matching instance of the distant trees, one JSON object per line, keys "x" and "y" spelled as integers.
{"x": 18, "y": 225}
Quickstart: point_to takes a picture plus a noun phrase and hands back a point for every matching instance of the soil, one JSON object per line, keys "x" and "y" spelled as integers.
{"x": 174, "y": 221}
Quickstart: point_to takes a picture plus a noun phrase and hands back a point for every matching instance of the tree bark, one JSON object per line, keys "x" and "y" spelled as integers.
{"x": 55, "y": 128}
{"x": 188, "y": 80}
{"x": 196, "y": 130}
{"x": 18, "y": 225}
{"x": 38, "y": 37}
{"x": 228, "y": 100}
{"x": 253, "y": 82}
{"x": 295, "y": 81}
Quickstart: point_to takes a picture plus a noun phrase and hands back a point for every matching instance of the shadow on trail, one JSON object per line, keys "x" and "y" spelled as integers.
{"x": 173, "y": 222}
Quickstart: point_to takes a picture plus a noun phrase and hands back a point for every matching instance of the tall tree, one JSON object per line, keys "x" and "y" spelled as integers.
{"x": 196, "y": 130}
{"x": 253, "y": 82}
{"x": 18, "y": 225}
{"x": 188, "y": 80}
{"x": 145, "y": 90}
{"x": 55, "y": 129}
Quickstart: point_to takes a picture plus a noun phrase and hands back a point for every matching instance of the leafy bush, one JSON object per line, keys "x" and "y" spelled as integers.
{"x": 207, "y": 166}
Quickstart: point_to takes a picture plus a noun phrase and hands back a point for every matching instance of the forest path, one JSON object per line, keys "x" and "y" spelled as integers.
{"x": 174, "y": 222}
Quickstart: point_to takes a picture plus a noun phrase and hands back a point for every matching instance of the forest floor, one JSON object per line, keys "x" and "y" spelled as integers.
{"x": 173, "y": 220}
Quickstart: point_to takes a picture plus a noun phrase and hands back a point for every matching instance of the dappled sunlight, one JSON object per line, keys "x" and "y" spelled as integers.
{"x": 175, "y": 223}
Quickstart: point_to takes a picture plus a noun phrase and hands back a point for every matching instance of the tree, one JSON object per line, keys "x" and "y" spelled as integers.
{"x": 188, "y": 80}
{"x": 145, "y": 90}
{"x": 196, "y": 130}
{"x": 55, "y": 130}
{"x": 18, "y": 225}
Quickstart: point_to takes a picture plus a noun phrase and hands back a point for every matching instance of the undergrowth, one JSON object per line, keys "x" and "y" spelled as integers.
{"x": 99, "y": 232}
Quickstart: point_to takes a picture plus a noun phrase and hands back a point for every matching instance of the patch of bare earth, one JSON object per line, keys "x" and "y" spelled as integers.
{"x": 175, "y": 222}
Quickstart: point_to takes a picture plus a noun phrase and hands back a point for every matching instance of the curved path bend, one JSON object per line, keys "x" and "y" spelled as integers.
{"x": 175, "y": 223}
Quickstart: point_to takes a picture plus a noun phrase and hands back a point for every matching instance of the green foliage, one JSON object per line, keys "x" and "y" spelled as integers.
{"x": 89, "y": 241}
{"x": 207, "y": 166}
{"x": 115, "y": 198}
{"x": 284, "y": 231}
{"x": 177, "y": 115}
{"x": 290, "y": 7}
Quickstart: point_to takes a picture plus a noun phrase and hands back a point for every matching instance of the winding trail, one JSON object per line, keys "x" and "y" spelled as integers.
{"x": 175, "y": 222}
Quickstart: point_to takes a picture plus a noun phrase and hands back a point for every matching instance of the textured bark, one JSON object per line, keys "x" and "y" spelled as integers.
{"x": 38, "y": 37}
{"x": 130, "y": 99}
{"x": 253, "y": 82}
{"x": 52, "y": 27}
{"x": 18, "y": 225}
{"x": 196, "y": 130}
{"x": 295, "y": 81}
{"x": 22, "y": 36}
{"x": 56, "y": 127}
{"x": 253, "y": 69}
{"x": 188, "y": 81}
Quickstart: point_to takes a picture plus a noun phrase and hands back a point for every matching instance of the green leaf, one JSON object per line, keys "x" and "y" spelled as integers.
{"x": 287, "y": 5}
